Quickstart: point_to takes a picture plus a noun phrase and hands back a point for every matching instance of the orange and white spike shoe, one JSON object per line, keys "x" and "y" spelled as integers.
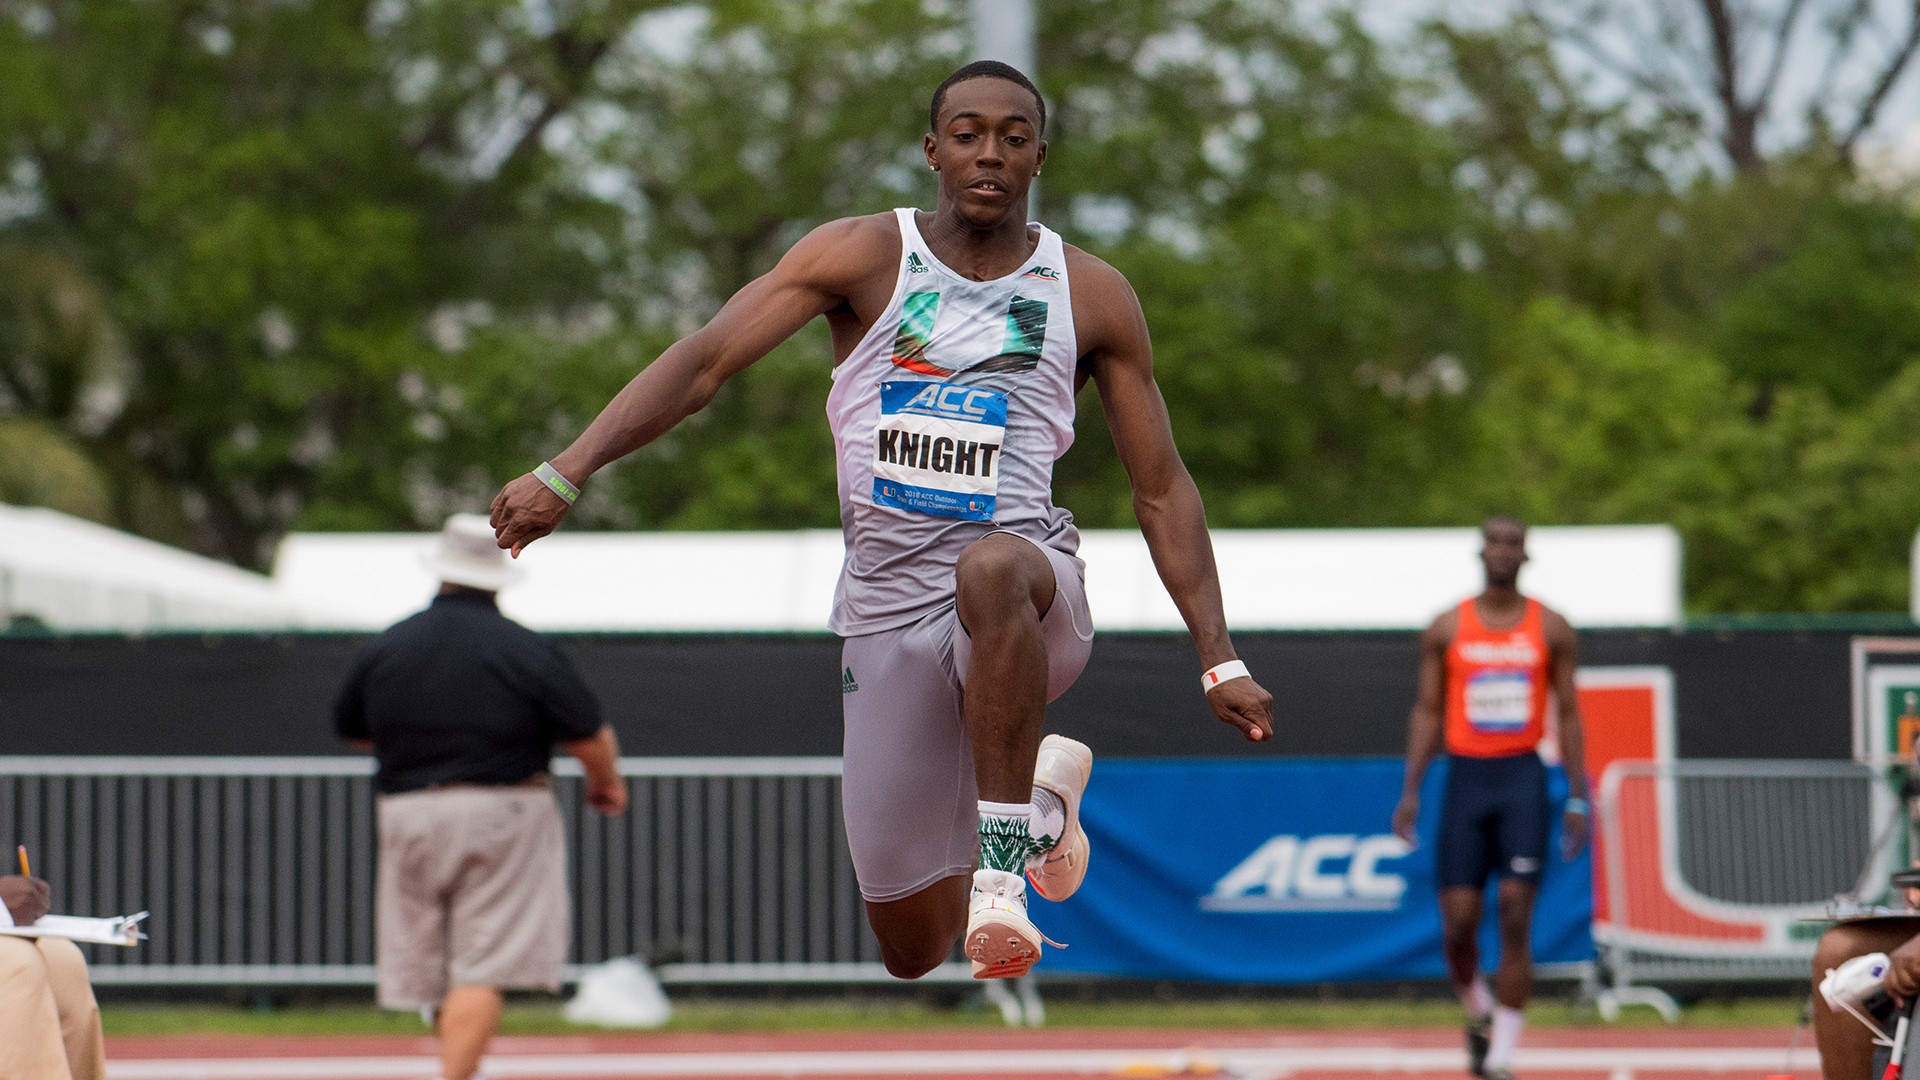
{"x": 1001, "y": 941}
{"x": 1064, "y": 767}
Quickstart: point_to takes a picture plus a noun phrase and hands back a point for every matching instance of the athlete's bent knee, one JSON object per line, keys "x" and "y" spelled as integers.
{"x": 997, "y": 572}
{"x": 910, "y": 952}
{"x": 917, "y": 932}
{"x": 911, "y": 963}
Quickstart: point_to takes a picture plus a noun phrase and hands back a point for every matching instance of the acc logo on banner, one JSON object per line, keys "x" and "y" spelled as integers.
{"x": 1332, "y": 872}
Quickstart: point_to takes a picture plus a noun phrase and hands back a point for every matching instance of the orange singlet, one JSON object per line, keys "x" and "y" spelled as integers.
{"x": 1496, "y": 685}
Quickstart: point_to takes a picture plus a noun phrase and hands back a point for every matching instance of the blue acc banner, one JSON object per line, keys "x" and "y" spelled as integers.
{"x": 1276, "y": 872}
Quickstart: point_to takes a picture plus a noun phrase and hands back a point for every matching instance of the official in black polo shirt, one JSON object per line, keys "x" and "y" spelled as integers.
{"x": 463, "y": 707}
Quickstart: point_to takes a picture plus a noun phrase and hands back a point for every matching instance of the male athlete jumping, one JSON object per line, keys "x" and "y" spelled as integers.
{"x": 1486, "y": 668}
{"x": 960, "y": 338}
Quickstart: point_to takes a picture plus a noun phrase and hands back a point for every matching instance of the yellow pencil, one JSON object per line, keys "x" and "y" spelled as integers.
{"x": 24, "y": 870}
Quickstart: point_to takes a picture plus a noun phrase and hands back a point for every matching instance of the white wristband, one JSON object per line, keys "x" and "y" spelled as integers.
{"x": 556, "y": 483}
{"x": 1219, "y": 673}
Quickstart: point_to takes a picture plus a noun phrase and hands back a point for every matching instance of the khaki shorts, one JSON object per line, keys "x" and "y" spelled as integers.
{"x": 912, "y": 807}
{"x": 472, "y": 892}
{"x": 49, "y": 1021}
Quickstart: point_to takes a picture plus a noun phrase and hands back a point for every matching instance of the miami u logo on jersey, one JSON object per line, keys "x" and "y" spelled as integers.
{"x": 1026, "y": 333}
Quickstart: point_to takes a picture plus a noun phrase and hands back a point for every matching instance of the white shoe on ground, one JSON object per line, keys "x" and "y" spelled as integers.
{"x": 1032, "y": 1009}
{"x": 998, "y": 996}
{"x": 1001, "y": 941}
{"x": 1063, "y": 767}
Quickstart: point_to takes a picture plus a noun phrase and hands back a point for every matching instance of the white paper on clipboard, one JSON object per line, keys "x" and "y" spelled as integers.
{"x": 117, "y": 930}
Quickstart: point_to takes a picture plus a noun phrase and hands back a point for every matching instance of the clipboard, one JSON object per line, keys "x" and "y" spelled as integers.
{"x": 115, "y": 930}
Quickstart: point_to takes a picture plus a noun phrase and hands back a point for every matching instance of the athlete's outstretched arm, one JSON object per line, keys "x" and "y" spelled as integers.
{"x": 1424, "y": 725}
{"x": 1117, "y": 354}
{"x": 811, "y": 279}
{"x": 1562, "y": 660}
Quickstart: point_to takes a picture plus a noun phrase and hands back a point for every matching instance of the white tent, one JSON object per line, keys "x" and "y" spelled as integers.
{"x": 76, "y": 576}
{"x": 73, "y": 575}
{"x": 744, "y": 581}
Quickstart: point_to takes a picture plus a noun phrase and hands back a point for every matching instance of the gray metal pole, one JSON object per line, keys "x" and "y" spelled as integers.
{"x": 1003, "y": 31}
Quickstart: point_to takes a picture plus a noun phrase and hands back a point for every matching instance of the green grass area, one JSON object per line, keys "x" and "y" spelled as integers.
{"x": 1065, "y": 1008}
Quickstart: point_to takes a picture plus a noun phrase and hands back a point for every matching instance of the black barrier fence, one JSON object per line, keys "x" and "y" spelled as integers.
{"x": 1742, "y": 693}
{"x": 1798, "y": 837}
{"x": 261, "y": 870}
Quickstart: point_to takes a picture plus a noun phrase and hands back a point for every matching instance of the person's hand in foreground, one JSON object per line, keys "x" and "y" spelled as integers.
{"x": 26, "y": 898}
{"x": 1903, "y": 970}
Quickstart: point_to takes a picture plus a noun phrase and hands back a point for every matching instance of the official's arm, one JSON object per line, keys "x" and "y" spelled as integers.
{"x": 569, "y": 704}
{"x": 350, "y": 706}
{"x": 599, "y": 755}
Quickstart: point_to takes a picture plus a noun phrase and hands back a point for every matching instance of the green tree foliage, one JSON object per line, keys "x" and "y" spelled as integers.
{"x": 1300, "y": 250}
{"x": 1808, "y": 508}
{"x": 1835, "y": 309}
{"x": 275, "y": 202}
{"x": 269, "y": 265}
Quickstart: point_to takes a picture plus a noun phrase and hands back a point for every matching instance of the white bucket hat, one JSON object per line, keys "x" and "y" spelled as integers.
{"x": 467, "y": 554}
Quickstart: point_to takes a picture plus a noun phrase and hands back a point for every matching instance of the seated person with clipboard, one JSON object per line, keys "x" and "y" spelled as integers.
{"x": 49, "y": 1021}
{"x": 1867, "y": 966}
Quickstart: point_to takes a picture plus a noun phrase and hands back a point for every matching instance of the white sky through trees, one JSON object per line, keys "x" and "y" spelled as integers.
{"x": 1620, "y": 48}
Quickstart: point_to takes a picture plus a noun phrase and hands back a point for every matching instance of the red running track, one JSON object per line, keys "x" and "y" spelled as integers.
{"x": 1002, "y": 1054}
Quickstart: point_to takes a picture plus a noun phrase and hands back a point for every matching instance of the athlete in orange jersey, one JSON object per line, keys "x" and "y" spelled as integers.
{"x": 1487, "y": 670}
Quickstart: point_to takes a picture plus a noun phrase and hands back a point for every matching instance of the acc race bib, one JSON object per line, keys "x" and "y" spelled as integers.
{"x": 937, "y": 450}
{"x": 1499, "y": 700}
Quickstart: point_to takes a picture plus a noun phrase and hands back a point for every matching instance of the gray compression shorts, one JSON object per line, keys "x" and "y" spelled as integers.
{"x": 908, "y": 793}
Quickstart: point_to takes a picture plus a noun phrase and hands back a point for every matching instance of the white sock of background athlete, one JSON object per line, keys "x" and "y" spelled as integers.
{"x": 1049, "y": 821}
{"x": 1477, "y": 999}
{"x": 1506, "y": 1035}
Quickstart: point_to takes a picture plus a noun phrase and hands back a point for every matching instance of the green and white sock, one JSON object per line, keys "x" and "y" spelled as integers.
{"x": 1005, "y": 839}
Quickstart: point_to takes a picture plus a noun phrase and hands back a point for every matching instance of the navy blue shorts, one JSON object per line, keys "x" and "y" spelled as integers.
{"x": 1494, "y": 820}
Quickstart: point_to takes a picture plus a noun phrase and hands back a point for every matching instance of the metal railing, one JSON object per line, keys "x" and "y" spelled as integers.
{"x": 1713, "y": 870}
{"x": 261, "y": 870}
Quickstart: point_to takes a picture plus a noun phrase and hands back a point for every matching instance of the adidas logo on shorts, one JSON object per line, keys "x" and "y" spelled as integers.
{"x": 847, "y": 685}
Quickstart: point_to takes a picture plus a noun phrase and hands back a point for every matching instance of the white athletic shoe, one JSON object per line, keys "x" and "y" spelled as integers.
{"x": 1064, "y": 767}
{"x": 998, "y": 996}
{"x": 1001, "y": 941}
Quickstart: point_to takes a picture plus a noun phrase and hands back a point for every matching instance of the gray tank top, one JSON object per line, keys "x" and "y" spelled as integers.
{"x": 947, "y": 419}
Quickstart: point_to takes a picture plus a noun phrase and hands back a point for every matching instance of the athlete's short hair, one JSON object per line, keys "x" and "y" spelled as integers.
{"x": 1503, "y": 519}
{"x": 984, "y": 69}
